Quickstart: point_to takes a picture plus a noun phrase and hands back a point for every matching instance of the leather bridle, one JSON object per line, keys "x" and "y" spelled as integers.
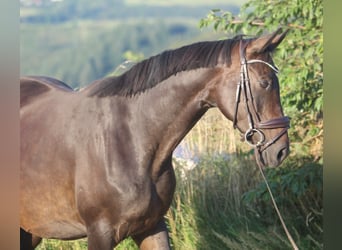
{"x": 255, "y": 127}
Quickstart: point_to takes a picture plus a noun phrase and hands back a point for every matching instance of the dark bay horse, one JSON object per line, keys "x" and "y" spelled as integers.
{"x": 97, "y": 162}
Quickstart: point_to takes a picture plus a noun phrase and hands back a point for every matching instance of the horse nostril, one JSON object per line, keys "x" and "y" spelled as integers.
{"x": 282, "y": 154}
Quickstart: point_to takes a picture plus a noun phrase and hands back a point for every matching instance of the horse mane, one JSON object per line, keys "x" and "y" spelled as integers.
{"x": 149, "y": 72}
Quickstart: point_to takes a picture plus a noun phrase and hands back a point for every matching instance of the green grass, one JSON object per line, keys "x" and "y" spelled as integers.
{"x": 62, "y": 245}
{"x": 223, "y": 204}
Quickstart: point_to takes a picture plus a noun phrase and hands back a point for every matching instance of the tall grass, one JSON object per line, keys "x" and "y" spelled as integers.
{"x": 223, "y": 204}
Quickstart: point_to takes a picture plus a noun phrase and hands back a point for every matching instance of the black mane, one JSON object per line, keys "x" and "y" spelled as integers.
{"x": 150, "y": 72}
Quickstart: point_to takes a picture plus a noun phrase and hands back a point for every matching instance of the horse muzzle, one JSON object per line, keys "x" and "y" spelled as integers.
{"x": 270, "y": 152}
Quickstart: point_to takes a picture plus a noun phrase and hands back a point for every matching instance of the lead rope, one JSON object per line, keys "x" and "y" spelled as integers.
{"x": 294, "y": 246}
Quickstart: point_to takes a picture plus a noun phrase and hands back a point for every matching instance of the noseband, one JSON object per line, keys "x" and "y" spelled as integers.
{"x": 255, "y": 127}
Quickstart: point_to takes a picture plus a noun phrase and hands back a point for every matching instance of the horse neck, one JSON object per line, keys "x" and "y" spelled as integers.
{"x": 169, "y": 110}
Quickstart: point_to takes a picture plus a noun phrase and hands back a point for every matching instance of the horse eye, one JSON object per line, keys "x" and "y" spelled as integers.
{"x": 264, "y": 83}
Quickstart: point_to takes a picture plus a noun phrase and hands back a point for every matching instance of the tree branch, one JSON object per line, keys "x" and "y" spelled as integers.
{"x": 260, "y": 23}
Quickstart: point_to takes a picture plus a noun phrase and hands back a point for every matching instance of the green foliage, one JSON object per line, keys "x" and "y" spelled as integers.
{"x": 127, "y": 244}
{"x": 299, "y": 57}
{"x": 299, "y": 188}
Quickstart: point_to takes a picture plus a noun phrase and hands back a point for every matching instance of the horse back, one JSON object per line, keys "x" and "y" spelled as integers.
{"x": 34, "y": 86}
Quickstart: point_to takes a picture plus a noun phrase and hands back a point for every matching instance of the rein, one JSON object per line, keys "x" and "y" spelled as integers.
{"x": 256, "y": 127}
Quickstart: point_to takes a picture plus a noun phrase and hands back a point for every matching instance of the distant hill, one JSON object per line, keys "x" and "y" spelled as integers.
{"x": 80, "y": 41}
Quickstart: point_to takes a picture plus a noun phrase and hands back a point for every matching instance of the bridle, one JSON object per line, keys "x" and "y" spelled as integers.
{"x": 255, "y": 127}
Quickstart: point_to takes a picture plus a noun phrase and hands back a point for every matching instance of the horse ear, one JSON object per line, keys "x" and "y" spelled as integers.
{"x": 266, "y": 43}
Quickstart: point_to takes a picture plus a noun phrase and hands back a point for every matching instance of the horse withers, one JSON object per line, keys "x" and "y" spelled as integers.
{"x": 97, "y": 162}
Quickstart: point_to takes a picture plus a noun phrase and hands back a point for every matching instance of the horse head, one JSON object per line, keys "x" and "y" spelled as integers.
{"x": 255, "y": 106}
